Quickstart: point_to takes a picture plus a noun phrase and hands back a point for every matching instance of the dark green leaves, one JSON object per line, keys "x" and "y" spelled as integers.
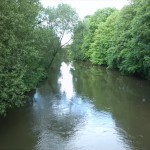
{"x": 25, "y": 50}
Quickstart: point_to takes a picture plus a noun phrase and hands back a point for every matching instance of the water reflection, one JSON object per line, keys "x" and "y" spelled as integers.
{"x": 123, "y": 98}
{"x": 82, "y": 107}
{"x": 67, "y": 120}
{"x": 65, "y": 80}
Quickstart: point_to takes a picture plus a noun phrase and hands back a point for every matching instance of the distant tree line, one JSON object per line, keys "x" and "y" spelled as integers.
{"x": 30, "y": 38}
{"x": 118, "y": 39}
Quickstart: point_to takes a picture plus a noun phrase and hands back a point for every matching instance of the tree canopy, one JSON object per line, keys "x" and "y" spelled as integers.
{"x": 30, "y": 39}
{"x": 117, "y": 39}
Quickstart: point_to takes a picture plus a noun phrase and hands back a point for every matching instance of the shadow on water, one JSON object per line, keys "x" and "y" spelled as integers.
{"x": 16, "y": 130}
{"x": 82, "y": 107}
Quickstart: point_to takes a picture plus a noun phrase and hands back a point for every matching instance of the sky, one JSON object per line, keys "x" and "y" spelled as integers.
{"x": 87, "y": 7}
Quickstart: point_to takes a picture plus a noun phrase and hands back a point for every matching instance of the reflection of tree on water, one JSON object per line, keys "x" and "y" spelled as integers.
{"x": 96, "y": 104}
{"x": 56, "y": 112}
{"x": 122, "y": 97}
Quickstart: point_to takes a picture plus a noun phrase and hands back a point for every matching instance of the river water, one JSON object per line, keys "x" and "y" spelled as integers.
{"x": 82, "y": 108}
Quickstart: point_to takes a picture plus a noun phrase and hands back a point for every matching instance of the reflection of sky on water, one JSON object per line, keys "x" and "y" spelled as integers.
{"x": 66, "y": 80}
{"x": 74, "y": 124}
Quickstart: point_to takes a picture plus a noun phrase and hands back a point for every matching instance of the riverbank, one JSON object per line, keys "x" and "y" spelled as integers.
{"x": 89, "y": 64}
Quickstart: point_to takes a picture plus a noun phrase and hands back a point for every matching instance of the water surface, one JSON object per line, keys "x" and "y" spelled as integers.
{"x": 82, "y": 108}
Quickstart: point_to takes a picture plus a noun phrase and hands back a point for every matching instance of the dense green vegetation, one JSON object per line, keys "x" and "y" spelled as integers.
{"x": 28, "y": 46}
{"x": 31, "y": 36}
{"x": 118, "y": 39}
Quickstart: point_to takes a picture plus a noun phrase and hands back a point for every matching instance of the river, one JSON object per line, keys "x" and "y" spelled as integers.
{"x": 82, "y": 107}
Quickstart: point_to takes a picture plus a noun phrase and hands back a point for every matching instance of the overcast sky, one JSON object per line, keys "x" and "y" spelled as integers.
{"x": 87, "y": 7}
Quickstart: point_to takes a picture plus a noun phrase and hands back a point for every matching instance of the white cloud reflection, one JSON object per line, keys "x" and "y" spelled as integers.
{"x": 66, "y": 80}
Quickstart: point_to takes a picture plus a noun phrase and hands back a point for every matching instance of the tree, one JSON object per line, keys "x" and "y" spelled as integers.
{"x": 45, "y": 41}
{"x": 78, "y": 39}
{"x": 62, "y": 21}
{"x": 29, "y": 41}
{"x": 96, "y": 29}
{"x": 141, "y": 40}
{"x": 18, "y": 19}
{"x": 119, "y": 39}
{"x": 102, "y": 38}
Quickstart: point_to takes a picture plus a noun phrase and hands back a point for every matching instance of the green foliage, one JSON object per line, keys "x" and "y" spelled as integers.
{"x": 141, "y": 34}
{"x": 102, "y": 40}
{"x": 120, "y": 39}
{"x": 16, "y": 49}
{"x": 25, "y": 50}
{"x": 78, "y": 39}
{"x": 99, "y": 16}
{"x": 91, "y": 33}
{"x": 62, "y": 20}
{"x": 29, "y": 41}
{"x": 46, "y": 41}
